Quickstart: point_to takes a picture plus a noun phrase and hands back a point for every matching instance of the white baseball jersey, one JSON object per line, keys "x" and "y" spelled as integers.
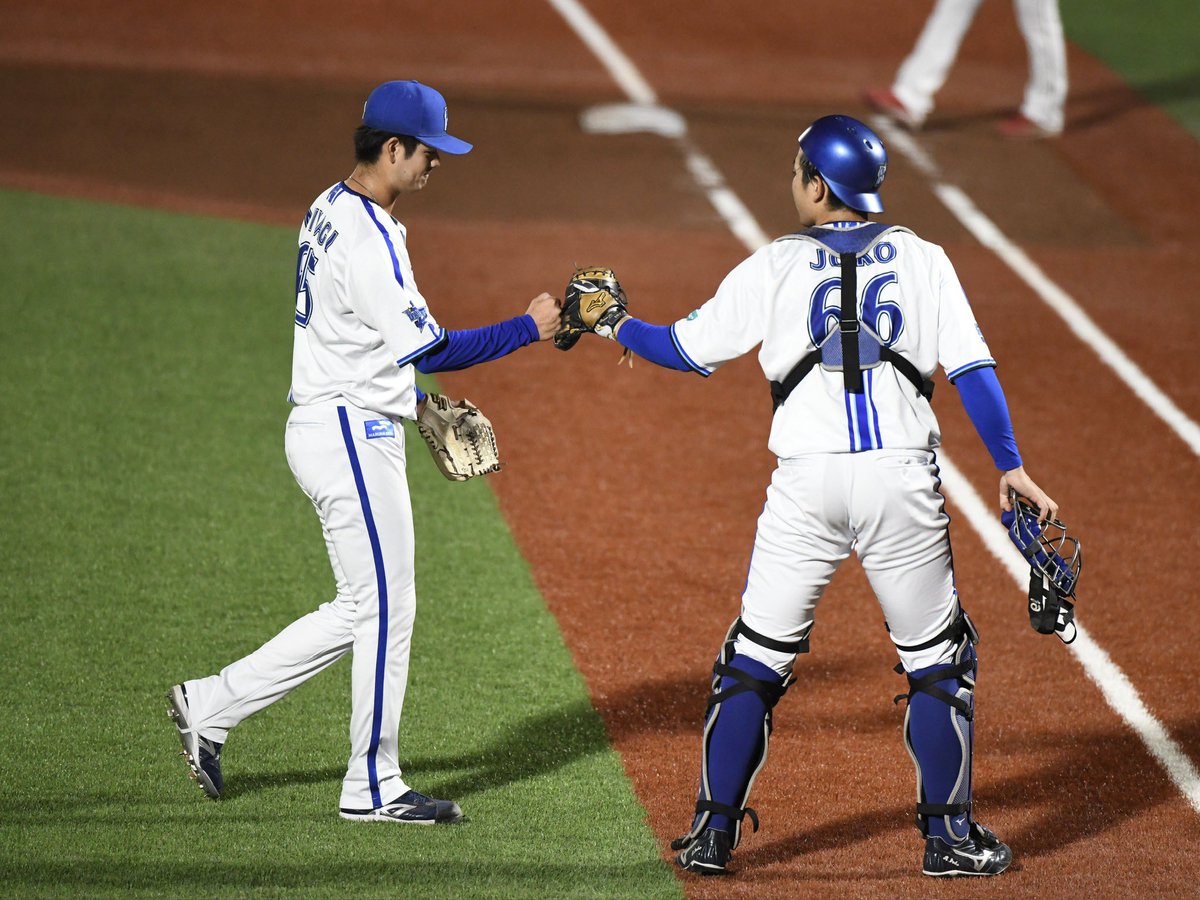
{"x": 357, "y": 326}
{"x": 787, "y": 296}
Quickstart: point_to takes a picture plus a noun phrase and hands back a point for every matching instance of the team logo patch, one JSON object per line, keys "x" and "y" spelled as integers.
{"x": 380, "y": 428}
{"x": 693, "y": 315}
{"x": 417, "y": 316}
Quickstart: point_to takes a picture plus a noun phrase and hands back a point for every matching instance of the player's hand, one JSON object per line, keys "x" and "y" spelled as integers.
{"x": 1017, "y": 480}
{"x": 544, "y": 310}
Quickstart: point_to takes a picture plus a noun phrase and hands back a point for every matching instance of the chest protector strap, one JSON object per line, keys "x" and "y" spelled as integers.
{"x": 848, "y": 246}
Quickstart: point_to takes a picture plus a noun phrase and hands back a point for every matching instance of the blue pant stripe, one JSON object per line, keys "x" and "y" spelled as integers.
{"x": 381, "y": 584}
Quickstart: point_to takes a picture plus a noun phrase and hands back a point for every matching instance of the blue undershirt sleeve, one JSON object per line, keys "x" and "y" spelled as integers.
{"x": 983, "y": 398}
{"x": 652, "y": 342}
{"x": 472, "y": 346}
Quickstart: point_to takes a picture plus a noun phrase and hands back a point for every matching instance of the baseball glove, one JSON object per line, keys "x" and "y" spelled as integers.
{"x": 460, "y": 438}
{"x": 594, "y": 301}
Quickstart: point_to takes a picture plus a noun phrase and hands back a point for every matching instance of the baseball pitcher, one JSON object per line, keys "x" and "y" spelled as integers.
{"x": 361, "y": 328}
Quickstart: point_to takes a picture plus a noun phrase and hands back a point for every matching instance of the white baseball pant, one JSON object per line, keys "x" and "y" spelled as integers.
{"x": 359, "y": 488}
{"x": 882, "y": 504}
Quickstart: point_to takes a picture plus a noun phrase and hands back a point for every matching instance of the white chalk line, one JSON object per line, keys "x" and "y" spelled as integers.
{"x": 1117, "y": 690}
{"x": 705, "y": 172}
{"x": 1078, "y": 321}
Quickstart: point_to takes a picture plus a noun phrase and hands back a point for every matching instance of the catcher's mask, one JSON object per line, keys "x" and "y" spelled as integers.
{"x": 1046, "y": 545}
{"x": 850, "y": 157}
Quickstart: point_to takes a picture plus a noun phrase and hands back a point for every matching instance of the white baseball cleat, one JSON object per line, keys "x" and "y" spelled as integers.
{"x": 411, "y": 808}
{"x": 202, "y": 755}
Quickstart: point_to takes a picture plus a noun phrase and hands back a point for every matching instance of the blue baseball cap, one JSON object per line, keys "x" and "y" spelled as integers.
{"x": 409, "y": 107}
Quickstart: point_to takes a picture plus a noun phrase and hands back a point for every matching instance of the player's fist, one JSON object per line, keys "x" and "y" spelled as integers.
{"x": 544, "y": 310}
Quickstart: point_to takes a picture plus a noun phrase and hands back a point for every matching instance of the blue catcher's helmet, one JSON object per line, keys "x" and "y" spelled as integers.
{"x": 850, "y": 157}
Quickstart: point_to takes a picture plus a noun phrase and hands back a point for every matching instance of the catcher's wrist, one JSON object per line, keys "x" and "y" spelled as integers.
{"x": 610, "y": 322}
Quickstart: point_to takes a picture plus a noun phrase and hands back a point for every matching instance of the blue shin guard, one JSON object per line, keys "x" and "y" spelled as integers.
{"x": 737, "y": 731}
{"x": 737, "y": 727}
{"x": 939, "y": 735}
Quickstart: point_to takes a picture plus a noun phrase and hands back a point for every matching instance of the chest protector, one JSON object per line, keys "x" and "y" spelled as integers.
{"x": 850, "y": 346}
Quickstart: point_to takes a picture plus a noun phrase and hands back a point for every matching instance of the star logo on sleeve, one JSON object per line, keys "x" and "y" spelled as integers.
{"x": 417, "y": 316}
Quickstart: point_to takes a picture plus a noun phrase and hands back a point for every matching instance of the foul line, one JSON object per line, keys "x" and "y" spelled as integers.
{"x": 1093, "y": 337}
{"x": 1118, "y": 691}
{"x": 703, "y": 170}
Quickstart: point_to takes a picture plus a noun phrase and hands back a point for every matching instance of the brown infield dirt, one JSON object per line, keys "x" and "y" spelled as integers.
{"x": 634, "y": 494}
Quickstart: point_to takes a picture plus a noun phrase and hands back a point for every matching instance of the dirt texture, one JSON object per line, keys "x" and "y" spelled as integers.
{"x": 634, "y": 494}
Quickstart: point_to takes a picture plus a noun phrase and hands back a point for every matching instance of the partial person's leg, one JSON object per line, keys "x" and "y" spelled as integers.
{"x": 904, "y": 546}
{"x": 370, "y": 526}
{"x": 796, "y": 551}
{"x": 314, "y": 641}
{"x": 1046, "y": 91}
{"x": 925, "y": 69}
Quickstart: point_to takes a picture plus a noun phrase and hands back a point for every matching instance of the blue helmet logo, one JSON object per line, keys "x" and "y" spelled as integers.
{"x": 850, "y": 157}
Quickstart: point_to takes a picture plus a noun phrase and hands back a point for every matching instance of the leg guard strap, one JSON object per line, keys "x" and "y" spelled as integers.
{"x": 769, "y": 691}
{"x": 927, "y": 684}
{"x": 741, "y": 628}
{"x": 722, "y": 809}
{"x": 939, "y": 809}
{"x": 960, "y": 626}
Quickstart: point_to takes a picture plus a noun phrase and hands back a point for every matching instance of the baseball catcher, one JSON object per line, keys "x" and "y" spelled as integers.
{"x": 459, "y": 436}
{"x": 595, "y": 302}
{"x": 871, "y": 311}
{"x": 1055, "y": 561}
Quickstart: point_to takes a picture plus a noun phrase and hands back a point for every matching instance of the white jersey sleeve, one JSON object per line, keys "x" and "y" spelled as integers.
{"x": 385, "y": 294}
{"x": 729, "y": 325}
{"x": 960, "y": 343}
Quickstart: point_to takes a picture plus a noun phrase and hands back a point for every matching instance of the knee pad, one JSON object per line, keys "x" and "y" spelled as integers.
{"x": 737, "y": 728}
{"x": 939, "y": 736}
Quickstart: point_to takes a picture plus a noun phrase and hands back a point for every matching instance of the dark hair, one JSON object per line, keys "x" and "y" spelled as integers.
{"x": 808, "y": 172}
{"x": 368, "y": 143}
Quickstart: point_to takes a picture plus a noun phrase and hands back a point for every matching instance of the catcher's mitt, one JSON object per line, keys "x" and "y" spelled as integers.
{"x": 594, "y": 301}
{"x": 460, "y": 438}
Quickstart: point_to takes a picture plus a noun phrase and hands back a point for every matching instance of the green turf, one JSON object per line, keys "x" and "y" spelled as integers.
{"x": 1153, "y": 44}
{"x": 153, "y": 532}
